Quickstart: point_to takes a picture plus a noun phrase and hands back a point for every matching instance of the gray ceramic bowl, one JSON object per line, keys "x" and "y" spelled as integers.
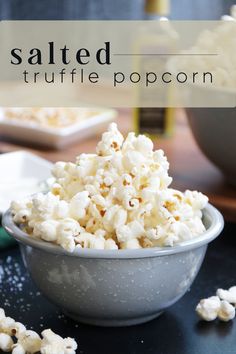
{"x": 215, "y": 132}
{"x": 110, "y": 287}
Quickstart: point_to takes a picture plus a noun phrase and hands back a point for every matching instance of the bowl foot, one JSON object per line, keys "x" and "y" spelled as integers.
{"x": 103, "y": 322}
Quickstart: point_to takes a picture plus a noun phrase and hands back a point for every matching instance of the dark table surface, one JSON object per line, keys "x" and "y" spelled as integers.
{"x": 177, "y": 331}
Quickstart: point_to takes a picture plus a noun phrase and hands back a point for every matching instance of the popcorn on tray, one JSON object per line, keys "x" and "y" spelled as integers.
{"x": 118, "y": 198}
{"x": 15, "y": 338}
{"x": 50, "y": 117}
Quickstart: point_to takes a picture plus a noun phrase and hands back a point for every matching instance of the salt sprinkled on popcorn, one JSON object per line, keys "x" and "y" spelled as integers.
{"x": 118, "y": 198}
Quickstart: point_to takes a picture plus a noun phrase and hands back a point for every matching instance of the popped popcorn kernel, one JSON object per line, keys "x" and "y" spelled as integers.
{"x": 228, "y": 295}
{"x": 208, "y": 309}
{"x": 15, "y": 338}
{"x": 30, "y": 341}
{"x": 117, "y": 198}
{"x": 226, "y": 312}
{"x": 52, "y": 343}
{"x": 6, "y": 342}
{"x": 221, "y": 306}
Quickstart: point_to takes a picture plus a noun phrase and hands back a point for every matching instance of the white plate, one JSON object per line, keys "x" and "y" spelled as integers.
{"x": 56, "y": 137}
{"x": 21, "y": 174}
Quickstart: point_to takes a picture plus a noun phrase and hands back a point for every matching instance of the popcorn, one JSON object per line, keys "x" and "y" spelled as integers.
{"x": 88, "y": 240}
{"x": 78, "y": 205}
{"x": 110, "y": 245}
{"x": 46, "y": 230}
{"x": 67, "y": 230}
{"x": 111, "y": 141}
{"x": 9, "y": 326}
{"x": 117, "y": 198}
{"x": 54, "y": 344}
{"x": 226, "y": 311}
{"x": 29, "y": 342}
{"x": 228, "y": 295}
{"x": 58, "y": 170}
{"x": 218, "y": 306}
{"x": 17, "y": 329}
{"x": 18, "y": 349}
{"x": 208, "y": 309}
{"x": 55, "y": 117}
{"x": 22, "y": 211}
{"x": 132, "y": 230}
{"x": 6, "y": 342}
{"x": 120, "y": 218}
{"x": 6, "y": 324}
{"x": 131, "y": 244}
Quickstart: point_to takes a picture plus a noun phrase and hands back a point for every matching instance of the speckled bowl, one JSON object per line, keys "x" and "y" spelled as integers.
{"x": 110, "y": 287}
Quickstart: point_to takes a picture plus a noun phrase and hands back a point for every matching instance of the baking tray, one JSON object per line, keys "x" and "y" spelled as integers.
{"x": 59, "y": 138}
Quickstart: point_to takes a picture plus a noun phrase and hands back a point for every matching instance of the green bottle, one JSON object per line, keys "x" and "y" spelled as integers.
{"x": 151, "y": 120}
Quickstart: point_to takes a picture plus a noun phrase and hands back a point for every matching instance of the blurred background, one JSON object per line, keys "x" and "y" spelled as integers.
{"x": 107, "y": 9}
{"x": 39, "y": 131}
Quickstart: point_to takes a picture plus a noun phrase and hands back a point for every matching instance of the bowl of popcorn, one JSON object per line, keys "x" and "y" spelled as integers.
{"x": 111, "y": 243}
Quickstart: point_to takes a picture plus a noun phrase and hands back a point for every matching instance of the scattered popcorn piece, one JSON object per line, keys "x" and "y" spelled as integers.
{"x": 18, "y": 349}
{"x": 226, "y": 311}
{"x": 208, "y": 309}
{"x": 29, "y": 342}
{"x": 17, "y": 328}
{"x": 54, "y": 344}
{"x": 6, "y": 324}
{"x": 122, "y": 190}
{"x": 228, "y": 295}
{"x": 6, "y": 342}
{"x": 219, "y": 306}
